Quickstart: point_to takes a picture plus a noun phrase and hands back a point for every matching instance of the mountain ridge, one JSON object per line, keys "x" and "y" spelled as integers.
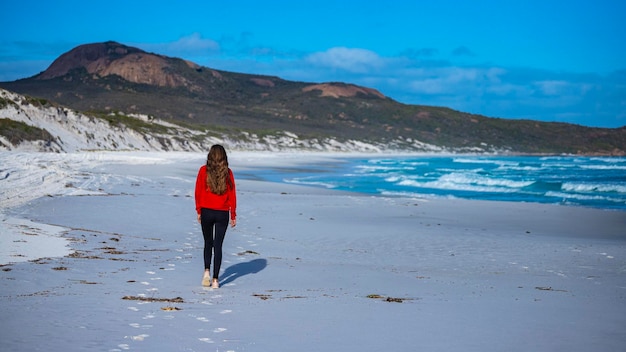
{"x": 111, "y": 77}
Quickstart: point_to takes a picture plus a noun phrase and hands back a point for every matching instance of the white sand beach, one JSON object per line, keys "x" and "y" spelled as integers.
{"x": 102, "y": 252}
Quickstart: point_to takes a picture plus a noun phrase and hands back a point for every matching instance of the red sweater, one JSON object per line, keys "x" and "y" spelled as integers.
{"x": 209, "y": 200}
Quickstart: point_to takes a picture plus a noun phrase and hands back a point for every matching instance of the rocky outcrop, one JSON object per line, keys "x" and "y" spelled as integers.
{"x": 111, "y": 58}
{"x": 337, "y": 90}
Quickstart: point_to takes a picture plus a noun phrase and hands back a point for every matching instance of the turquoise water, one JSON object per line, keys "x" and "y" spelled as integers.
{"x": 598, "y": 182}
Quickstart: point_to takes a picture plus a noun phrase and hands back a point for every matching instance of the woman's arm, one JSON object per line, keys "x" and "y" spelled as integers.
{"x": 232, "y": 199}
{"x": 200, "y": 187}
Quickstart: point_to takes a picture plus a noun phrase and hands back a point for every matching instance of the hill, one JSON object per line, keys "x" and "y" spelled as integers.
{"x": 30, "y": 124}
{"x": 105, "y": 78}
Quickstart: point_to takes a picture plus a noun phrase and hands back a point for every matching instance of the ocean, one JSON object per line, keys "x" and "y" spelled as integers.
{"x": 598, "y": 182}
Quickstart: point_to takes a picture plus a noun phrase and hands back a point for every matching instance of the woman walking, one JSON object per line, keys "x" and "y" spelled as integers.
{"x": 216, "y": 202}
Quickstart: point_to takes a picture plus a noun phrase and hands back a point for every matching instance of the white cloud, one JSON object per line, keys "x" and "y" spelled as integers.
{"x": 503, "y": 89}
{"x": 188, "y": 47}
{"x": 449, "y": 80}
{"x": 194, "y": 42}
{"x": 348, "y": 59}
{"x": 551, "y": 87}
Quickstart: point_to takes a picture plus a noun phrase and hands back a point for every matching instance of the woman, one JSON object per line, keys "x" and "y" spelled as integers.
{"x": 215, "y": 199}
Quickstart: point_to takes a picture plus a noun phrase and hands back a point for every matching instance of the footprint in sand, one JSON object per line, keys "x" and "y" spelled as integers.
{"x": 218, "y": 330}
{"x": 205, "y": 339}
{"x": 202, "y": 319}
{"x": 559, "y": 273}
{"x": 226, "y": 311}
{"x": 134, "y": 309}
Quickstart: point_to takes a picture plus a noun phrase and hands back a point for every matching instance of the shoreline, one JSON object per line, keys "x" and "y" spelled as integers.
{"x": 16, "y": 249}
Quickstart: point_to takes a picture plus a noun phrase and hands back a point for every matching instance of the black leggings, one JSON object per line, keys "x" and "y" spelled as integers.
{"x": 214, "y": 225}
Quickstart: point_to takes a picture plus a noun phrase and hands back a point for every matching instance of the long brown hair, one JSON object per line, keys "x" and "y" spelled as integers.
{"x": 217, "y": 178}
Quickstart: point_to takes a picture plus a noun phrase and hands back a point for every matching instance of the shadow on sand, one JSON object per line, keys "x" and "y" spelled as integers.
{"x": 236, "y": 271}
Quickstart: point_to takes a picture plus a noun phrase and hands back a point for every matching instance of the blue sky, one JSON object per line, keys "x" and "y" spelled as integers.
{"x": 562, "y": 61}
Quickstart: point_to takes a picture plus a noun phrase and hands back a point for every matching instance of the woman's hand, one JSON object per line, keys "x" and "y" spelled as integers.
{"x": 199, "y": 219}
{"x": 233, "y": 222}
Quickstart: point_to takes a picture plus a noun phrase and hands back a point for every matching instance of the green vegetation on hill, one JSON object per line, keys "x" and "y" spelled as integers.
{"x": 17, "y": 132}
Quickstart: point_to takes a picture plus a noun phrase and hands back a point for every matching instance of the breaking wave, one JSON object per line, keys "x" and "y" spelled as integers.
{"x": 593, "y": 182}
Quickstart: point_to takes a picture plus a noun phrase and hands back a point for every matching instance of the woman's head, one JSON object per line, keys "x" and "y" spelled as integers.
{"x": 217, "y": 154}
{"x": 217, "y": 179}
